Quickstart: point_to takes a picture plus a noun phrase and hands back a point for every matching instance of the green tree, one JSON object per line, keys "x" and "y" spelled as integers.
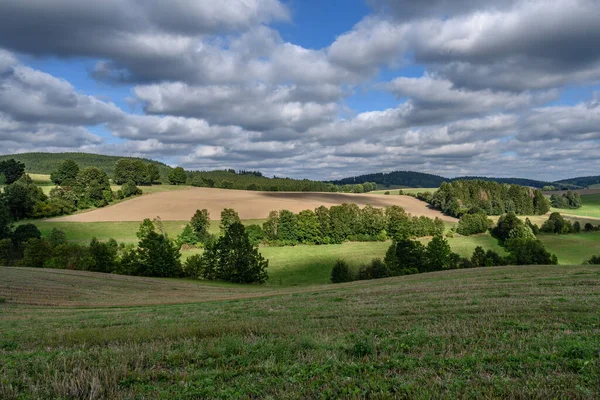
{"x": 93, "y": 176}
{"x": 57, "y": 237}
{"x": 5, "y": 219}
{"x": 130, "y": 189}
{"x": 233, "y": 258}
{"x": 308, "y": 228}
{"x": 177, "y": 176}
{"x": 157, "y": 256}
{"x": 132, "y": 170}
{"x": 288, "y": 228}
{"x": 22, "y": 196}
{"x": 439, "y": 255}
{"x": 471, "y": 224}
{"x": 557, "y": 224}
{"x": 406, "y": 257}
{"x": 153, "y": 173}
{"x": 23, "y": 233}
{"x": 200, "y": 223}
{"x": 36, "y": 252}
{"x": 228, "y": 217}
{"x": 341, "y": 272}
{"x": 506, "y": 223}
{"x": 529, "y": 252}
{"x": 255, "y": 234}
{"x": 271, "y": 226}
{"x": 12, "y": 170}
{"x": 478, "y": 257}
{"x": 103, "y": 257}
{"x": 66, "y": 174}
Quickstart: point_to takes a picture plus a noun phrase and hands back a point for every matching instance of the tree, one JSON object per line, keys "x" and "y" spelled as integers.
{"x": 177, "y": 176}
{"x": 66, "y": 174}
{"x": 103, "y": 257}
{"x": 228, "y": 217}
{"x": 129, "y": 189}
{"x": 5, "y": 219}
{"x": 271, "y": 226}
{"x": 200, "y": 223}
{"x": 56, "y": 238}
{"x": 376, "y": 270}
{"x": 23, "y": 233}
{"x": 157, "y": 256}
{"x": 153, "y": 173}
{"x": 529, "y": 252}
{"x": 478, "y": 257}
{"x": 557, "y": 224}
{"x": 341, "y": 272}
{"x": 93, "y": 176}
{"x": 255, "y": 234}
{"x": 439, "y": 255}
{"x": 37, "y": 251}
{"x": 127, "y": 170}
{"x": 12, "y": 170}
{"x": 233, "y": 258}
{"x": 288, "y": 228}
{"x": 405, "y": 257}
{"x": 506, "y": 223}
{"x": 22, "y": 196}
{"x": 308, "y": 227}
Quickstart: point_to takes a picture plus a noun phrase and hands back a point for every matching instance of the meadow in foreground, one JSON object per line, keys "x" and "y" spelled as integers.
{"x": 518, "y": 332}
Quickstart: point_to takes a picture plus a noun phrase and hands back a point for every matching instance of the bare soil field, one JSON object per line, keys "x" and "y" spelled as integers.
{"x": 181, "y": 205}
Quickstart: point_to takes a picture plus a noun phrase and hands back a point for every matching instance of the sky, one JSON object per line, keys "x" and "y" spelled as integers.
{"x": 307, "y": 88}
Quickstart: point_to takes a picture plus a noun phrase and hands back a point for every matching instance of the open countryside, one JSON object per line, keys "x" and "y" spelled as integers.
{"x": 285, "y": 199}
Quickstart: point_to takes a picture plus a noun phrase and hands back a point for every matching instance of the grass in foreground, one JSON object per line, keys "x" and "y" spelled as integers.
{"x": 507, "y": 332}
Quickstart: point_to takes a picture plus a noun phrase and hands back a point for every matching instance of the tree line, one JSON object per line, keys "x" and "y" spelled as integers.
{"x": 229, "y": 258}
{"x": 570, "y": 200}
{"x": 470, "y": 197}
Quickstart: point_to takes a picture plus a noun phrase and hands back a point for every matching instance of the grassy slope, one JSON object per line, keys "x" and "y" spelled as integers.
{"x": 509, "y": 332}
{"x": 590, "y": 208}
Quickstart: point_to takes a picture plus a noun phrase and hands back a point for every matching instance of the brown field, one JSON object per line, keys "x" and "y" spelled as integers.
{"x": 181, "y": 205}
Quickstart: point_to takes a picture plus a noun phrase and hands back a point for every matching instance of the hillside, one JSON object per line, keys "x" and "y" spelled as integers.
{"x": 584, "y": 181}
{"x": 46, "y": 163}
{"x": 412, "y": 179}
{"x": 507, "y": 332}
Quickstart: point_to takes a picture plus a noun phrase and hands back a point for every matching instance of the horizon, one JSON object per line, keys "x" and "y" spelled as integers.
{"x": 306, "y": 89}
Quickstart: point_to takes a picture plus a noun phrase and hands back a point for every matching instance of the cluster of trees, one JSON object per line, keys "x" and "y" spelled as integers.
{"x": 136, "y": 171}
{"x": 230, "y": 258}
{"x": 79, "y": 189}
{"x": 46, "y": 163}
{"x": 10, "y": 171}
{"x": 461, "y": 197}
{"x": 570, "y": 200}
{"x": 558, "y": 225}
{"x": 252, "y": 180}
{"x": 346, "y": 222}
{"x": 406, "y": 257}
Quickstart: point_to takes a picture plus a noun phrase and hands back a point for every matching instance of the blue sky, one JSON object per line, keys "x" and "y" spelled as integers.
{"x": 308, "y": 88}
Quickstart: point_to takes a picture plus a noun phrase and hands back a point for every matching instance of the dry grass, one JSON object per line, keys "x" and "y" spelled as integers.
{"x": 181, "y": 205}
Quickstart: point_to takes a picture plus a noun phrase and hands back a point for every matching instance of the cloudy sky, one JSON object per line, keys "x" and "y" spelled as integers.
{"x": 308, "y": 88}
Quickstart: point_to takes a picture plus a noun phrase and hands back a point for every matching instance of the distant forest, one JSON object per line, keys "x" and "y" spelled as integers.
{"x": 420, "y": 180}
{"x": 583, "y": 181}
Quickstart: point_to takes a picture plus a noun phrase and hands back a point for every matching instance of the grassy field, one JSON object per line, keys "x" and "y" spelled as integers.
{"x": 507, "y": 332}
{"x": 590, "y": 207}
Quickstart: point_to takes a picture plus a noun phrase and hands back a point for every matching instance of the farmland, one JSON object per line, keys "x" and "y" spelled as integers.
{"x": 181, "y": 205}
{"x": 524, "y": 332}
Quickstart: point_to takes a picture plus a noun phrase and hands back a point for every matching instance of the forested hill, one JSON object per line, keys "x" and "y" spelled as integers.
{"x": 46, "y": 163}
{"x": 585, "y": 181}
{"x": 418, "y": 179}
{"x": 397, "y": 178}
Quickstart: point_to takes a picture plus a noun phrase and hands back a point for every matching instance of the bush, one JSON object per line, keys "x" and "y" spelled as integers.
{"x": 471, "y": 224}
{"x": 194, "y": 266}
{"x": 595, "y": 260}
{"x": 341, "y": 272}
{"x": 36, "y": 252}
{"x": 255, "y": 234}
{"x": 187, "y": 236}
{"x": 557, "y": 224}
{"x": 129, "y": 189}
{"x": 23, "y": 233}
{"x": 376, "y": 270}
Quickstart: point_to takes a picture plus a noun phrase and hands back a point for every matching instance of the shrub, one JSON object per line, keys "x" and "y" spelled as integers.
{"x": 341, "y": 272}
{"x": 471, "y": 224}
{"x": 594, "y": 260}
{"x": 200, "y": 224}
{"x": 255, "y": 234}
{"x": 557, "y": 224}
{"x": 376, "y": 270}
{"x": 36, "y": 252}
{"x": 129, "y": 189}
{"x": 187, "y": 236}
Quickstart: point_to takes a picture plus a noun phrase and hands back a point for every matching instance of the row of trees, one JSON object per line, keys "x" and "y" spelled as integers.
{"x": 136, "y": 171}
{"x": 461, "y": 197}
{"x": 569, "y": 200}
{"x": 338, "y": 224}
{"x": 231, "y": 258}
{"x": 252, "y": 180}
{"x": 406, "y": 257}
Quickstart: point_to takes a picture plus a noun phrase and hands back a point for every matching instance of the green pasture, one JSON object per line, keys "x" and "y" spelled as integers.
{"x": 590, "y": 207}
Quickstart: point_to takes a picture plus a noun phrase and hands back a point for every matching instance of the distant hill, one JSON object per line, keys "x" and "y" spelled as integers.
{"x": 421, "y": 180}
{"x": 584, "y": 181}
{"x": 397, "y": 178}
{"x": 46, "y": 163}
